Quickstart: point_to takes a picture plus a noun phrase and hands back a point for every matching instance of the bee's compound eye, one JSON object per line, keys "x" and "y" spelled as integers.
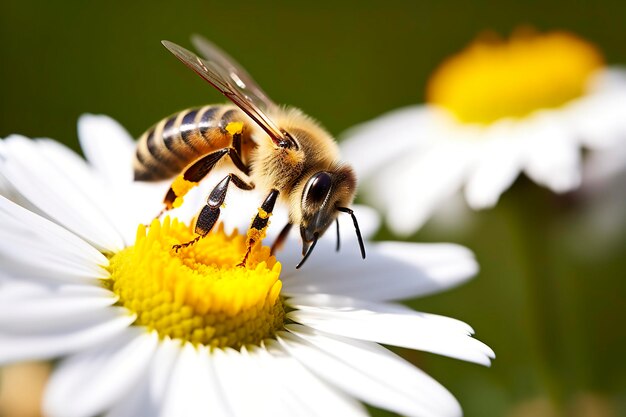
{"x": 318, "y": 187}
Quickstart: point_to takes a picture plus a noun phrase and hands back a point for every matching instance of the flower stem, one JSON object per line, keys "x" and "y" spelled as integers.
{"x": 532, "y": 215}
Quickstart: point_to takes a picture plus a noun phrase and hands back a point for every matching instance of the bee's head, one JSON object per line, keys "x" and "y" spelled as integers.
{"x": 325, "y": 194}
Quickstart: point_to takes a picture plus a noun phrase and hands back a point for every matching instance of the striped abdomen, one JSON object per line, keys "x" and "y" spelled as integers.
{"x": 176, "y": 141}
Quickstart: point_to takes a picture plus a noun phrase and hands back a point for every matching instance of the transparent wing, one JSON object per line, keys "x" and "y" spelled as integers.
{"x": 220, "y": 77}
{"x": 233, "y": 70}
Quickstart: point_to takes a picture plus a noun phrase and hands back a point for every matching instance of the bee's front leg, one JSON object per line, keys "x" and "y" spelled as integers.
{"x": 210, "y": 213}
{"x": 256, "y": 233}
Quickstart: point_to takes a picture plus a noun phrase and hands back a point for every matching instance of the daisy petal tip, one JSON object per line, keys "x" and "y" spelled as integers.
{"x": 566, "y": 185}
{"x": 404, "y": 226}
{"x": 466, "y": 265}
{"x": 95, "y": 124}
{"x": 488, "y": 361}
{"x": 15, "y": 138}
{"x": 473, "y": 267}
{"x": 488, "y": 355}
{"x": 86, "y": 122}
{"x": 478, "y": 200}
{"x": 87, "y": 119}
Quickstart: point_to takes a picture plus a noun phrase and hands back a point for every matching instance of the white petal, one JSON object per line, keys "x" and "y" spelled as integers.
{"x": 598, "y": 118}
{"x": 390, "y": 324}
{"x": 498, "y": 165}
{"x": 103, "y": 196}
{"x": 146, "y": 400}
{"x": 301, "y": 391}
{"x": 108, "y": 197}
{"x": 370, "y": 373}
{"x": 255, "y": 382}
{"x": 265, "y": 398}
{"x": 60, "y": 195}
{"x": 45, "y": 273}
{"x": 454, "y": 217}
{"x": 61, "y": 338}
{"x": 26, "y": 255}
{"x": 140, "y": 203}
{"x": 161, "y": 371}
{"x": 59, "y": 304}
{"x": 6, "y": 189}
{"x": 37, "y": 254}
{"x": 135, "y": 403}
{"x": 15, "y": 290}
{"x": 371, "y": 145}
{"x": 91, "y": 382}
{"x": 193, "y": 390}
{"x": 107, "y": 146}
{"x": 415, "y": 185}
{"x": 392, "y": 270}
{"x": 239, "y": 379}
{"x": 278, "y": 395}
{"x": 30, "y": 224}
{"x": 553, "y": 155}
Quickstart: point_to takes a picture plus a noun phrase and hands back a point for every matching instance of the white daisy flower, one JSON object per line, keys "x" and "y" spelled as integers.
{"x": 494, "y": 110}
{"x": 145, "y": 331}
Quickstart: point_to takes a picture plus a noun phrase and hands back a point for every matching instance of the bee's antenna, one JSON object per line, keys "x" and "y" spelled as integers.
{"x": 338, "y": 238}
{"x": 308, "y": 252}
{"x": 356, "y": 227}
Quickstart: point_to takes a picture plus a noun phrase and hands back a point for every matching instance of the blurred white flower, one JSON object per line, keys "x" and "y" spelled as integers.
{"x": 495, "y": 110}
{"x": 145, "y": 331}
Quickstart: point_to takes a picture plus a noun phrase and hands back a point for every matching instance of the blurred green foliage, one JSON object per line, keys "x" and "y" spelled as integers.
{"x": 346, "y": 62}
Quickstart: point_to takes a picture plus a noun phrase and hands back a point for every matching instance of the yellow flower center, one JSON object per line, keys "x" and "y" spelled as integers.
{"x": 199, "y": 294}
{"x": 493, "y": 79}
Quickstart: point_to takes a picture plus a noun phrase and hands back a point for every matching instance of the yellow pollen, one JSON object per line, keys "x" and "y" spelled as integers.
{"x": 234, "y": 128}
{"x": 254, "y": 236}
{"x": 181, "y": 186}
{"x": 199, "y": 294}
{"x": 494, "y": 79}
{"x": 264, "y": 214}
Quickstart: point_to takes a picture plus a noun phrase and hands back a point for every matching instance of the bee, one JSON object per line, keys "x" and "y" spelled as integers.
{"x": 278, "y": 150}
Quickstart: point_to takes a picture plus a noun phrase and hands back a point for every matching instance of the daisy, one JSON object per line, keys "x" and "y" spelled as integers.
{"x": 494, "y": 110}
{"x": 145, "y": 331}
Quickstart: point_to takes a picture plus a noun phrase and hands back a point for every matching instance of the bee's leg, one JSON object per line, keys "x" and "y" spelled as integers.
{"x": 210, "y": 213}
{"x": 338, "y": 235}
{"x": 195, "y": 172}
{"x": 280, "y": 239}
{"x": 256, "y": 233}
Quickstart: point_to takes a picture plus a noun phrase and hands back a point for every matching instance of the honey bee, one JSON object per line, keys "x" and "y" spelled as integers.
{"x": 279, "y": 150}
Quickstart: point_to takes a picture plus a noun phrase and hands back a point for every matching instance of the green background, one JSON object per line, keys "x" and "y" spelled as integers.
{"x": 554, "y": 317}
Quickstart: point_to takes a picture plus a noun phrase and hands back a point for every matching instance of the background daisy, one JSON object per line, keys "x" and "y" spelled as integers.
{"x": 498, "y": 108}
{"x": 141, "y": 336}
{"x": 530, "y": 104}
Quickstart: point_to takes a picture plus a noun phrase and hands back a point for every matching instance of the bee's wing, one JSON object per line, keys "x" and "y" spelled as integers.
{"x": 233, "y": 70}
{"x": 223, "y": 74}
